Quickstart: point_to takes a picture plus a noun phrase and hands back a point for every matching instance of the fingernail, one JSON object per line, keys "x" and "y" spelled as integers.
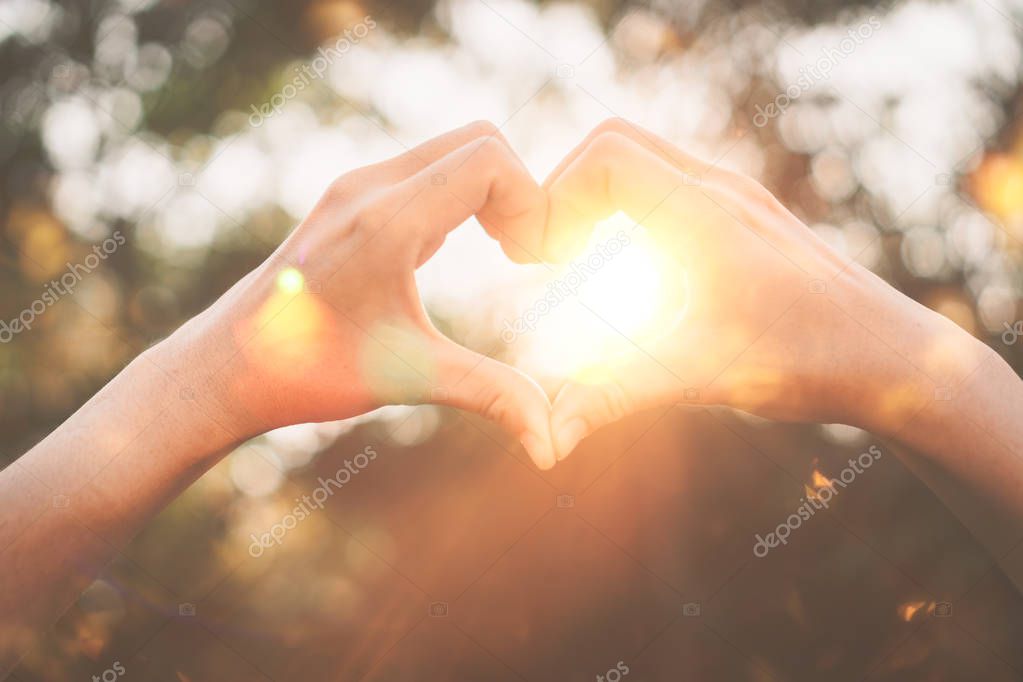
{"x": 568, "y": 436}
{"x": 540, "y": 450}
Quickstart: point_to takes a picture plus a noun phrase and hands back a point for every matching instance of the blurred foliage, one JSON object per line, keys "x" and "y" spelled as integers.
{"x": 176, "y": 79}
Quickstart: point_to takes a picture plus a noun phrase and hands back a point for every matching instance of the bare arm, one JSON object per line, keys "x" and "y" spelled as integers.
{"x": 968, "y": 447}
{"x": 80, "y": 495}
{"x": 782, "y": 326}
{"x": 330, "y": 326}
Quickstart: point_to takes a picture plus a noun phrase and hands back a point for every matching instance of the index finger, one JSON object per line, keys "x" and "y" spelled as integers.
{"x": 611, "y": 173}
{"x": 684, "y": 162}
{"x": 482, "y": 178}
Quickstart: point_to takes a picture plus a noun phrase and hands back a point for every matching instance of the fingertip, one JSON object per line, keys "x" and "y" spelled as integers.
{"x": 540, "y": 450}
{"x": 576, "y": 413}
{"x": 523, "y": 408}
{"x": 566, "y": 434}
{"x": 518, "y": 254}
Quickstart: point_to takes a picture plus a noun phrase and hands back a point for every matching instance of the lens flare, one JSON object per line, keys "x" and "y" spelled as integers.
{"x": 290, "y": 281}
{"x": 288, "y": 334}
{"x": 622, "y": 293}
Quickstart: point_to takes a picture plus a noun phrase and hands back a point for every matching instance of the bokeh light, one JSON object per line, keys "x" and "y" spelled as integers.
{"x": 137, "y": 117}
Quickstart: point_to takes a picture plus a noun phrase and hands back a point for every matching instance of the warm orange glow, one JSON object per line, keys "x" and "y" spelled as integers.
{"x": 998, "y": 185}
{"x": 290, "y": 281}
{"x": 623, "y": 291}
{"x": 398, "y": 364}
{"x": 288, "y": 320}
{"x": 820, "y": 481}
{"x": 955, "y": 307}
{"x": 288, "y": 333}
{"x": 909, "y": 610}
{"x": 43, "y": 243}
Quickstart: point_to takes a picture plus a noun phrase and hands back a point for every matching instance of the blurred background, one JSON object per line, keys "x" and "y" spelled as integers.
{"x": 185, "y": 139}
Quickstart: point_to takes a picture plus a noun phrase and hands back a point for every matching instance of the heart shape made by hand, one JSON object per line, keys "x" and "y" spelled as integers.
{"x": 340, "y": 328}
{"x": 620, "y": 294}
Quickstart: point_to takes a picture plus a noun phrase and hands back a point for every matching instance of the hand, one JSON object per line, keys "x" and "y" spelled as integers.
{"x": 778, "y": 323}
{"x": 332, "y": 326}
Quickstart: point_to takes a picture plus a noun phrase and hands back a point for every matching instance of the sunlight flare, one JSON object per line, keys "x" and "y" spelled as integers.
{"x": 618, "y": 297}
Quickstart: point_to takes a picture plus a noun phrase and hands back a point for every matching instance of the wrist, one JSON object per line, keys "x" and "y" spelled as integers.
{"x": 202, "y": 363}
{"x": 148, "y": 408}
{"x": 909, "y": 355}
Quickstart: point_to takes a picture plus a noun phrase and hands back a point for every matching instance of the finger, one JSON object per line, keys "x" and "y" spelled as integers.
{"x": 728, "y": 187}
{"x": 483, "y": 178}
{"x": 411, "y": 364}
{"x": 402, "y": 166}
{"x": 611, "y": 173}
{"x": 683, "y": 162}
{"x": 633, "y": 384}
{"x": 696, "y": 172}
{"x": 477, "y": 383}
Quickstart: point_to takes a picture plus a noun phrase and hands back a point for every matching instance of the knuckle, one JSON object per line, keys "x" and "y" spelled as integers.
{"x": 496, "y": 409}
{"x": 482, "y": 128}
{"x": 617, "y": 402}
{"x": 611, "y": 402}
{"x": 370, "y": 216}
{"x": 491, "y": 404}
{"x": 608, "y": 146}
{"x": 615, "y": 124}
{"x": 491, "y": 147}
{"x": 485, "y": 156}
{"x": 342, "y": 188}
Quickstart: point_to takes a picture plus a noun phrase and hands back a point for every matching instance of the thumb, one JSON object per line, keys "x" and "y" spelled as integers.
{"x": 634, "y": 384}
{"x": 477, "y": 383}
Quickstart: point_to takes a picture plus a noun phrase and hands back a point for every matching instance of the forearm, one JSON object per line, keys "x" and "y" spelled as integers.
{"x": 967, "y": 445}
{"x": 329, "y": 327}
{"x": 77, "y": 498}
{"x": 951, "y": 407}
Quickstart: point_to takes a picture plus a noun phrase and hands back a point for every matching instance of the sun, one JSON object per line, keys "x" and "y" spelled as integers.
{"x": 618, "y": 296}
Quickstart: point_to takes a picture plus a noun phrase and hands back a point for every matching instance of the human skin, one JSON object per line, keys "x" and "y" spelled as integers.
{"x": 353, "y": 335}
{"x": 341, "y": 332}
{"x": 782, "y": 326}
